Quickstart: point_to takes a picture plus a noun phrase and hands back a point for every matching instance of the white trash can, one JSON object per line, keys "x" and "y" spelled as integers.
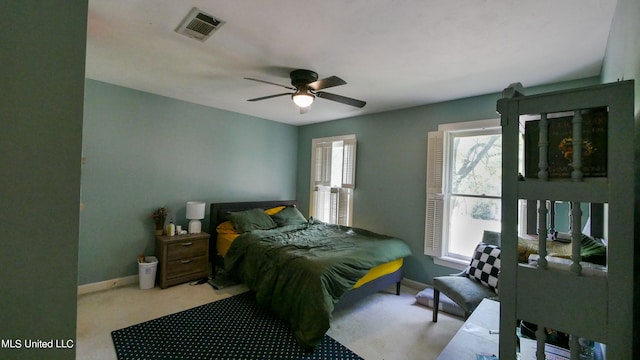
{"x": 147, "y": 272}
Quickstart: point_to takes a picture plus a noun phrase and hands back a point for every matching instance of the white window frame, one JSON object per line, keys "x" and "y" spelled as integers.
{"x": 342, "y": 207}
{"x": 437, "y": 213}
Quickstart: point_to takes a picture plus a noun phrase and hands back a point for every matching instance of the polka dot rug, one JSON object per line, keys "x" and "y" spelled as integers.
{"x": 234, "y": 328}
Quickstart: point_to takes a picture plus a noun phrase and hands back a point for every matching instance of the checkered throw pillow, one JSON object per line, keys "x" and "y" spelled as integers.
{"x": 485, "y": 265}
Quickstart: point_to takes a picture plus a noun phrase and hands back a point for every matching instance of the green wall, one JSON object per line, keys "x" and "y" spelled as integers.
{"x": 137, "y": 145}
{"x": 622, "y": 58}
{"x": 390, "y": 191}
{"x": 41, "y": 142}
{"x": 622, "y": 61}
{"x": 144, "y": 151}
{"x": 41, "y": 82}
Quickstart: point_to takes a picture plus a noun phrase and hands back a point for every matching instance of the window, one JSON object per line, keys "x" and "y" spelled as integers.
{"x": 333, "y": 170}
{"x": 464, "y": 186}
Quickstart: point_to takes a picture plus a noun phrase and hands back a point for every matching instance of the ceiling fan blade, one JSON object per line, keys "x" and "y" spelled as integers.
{"x": 304, "y": 110}
{"x": 268, "y": 97}
{"x": 271, "y": 83}
{"x": 331, "y": 81}
{"x": 341, "y": 99}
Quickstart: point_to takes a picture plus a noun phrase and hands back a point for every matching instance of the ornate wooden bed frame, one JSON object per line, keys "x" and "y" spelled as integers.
{"x": 218, "y": 215}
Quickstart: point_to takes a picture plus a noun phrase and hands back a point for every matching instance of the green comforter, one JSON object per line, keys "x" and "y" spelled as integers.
{"x": 301, "y": 271}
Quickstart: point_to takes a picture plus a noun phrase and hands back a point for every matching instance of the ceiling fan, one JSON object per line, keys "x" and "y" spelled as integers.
{"x": 306, "y": 87}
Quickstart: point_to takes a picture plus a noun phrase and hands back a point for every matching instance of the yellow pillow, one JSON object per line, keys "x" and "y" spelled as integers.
{"x": 224, "y": 243}
{"x": 274, "y": 210}
{"x": 226, "y": 228}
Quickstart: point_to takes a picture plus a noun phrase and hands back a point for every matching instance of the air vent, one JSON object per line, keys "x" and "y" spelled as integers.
{"x": 199, "y": 25}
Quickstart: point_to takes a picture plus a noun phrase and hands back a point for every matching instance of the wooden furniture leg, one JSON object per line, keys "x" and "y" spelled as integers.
{"x": 436, "y": 304}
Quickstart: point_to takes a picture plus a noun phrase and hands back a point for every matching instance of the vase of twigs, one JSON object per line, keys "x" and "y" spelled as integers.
{"x": 159, "y": 216}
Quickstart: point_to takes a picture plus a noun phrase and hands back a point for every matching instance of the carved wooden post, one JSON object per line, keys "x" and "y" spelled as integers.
{"x": 552, "y": 219}
{"x": 574, "y": 346}
{"x": 543, "y": 148}
{"x": 541, "y": 337}
{"x": 576, "y": 161}
{"x": 576, "y": 237}
{"x": 542, "y": 234}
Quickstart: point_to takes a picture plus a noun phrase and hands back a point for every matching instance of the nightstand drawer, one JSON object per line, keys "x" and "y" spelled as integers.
{"x": 187, "y": 249}
{"x": 182, "y": 258}
{"x": 188, "y": 266}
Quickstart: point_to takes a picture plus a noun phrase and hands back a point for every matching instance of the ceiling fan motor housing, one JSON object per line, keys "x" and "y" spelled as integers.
{"x": 302, "y": 77}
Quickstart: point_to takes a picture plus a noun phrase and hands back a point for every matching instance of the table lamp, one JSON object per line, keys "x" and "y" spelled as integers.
{"x": 195, "y": 212}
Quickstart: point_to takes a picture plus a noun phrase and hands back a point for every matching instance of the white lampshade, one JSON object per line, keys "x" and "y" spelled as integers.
{"x": 303, "y": 99}
{"x": 195, "y": 212}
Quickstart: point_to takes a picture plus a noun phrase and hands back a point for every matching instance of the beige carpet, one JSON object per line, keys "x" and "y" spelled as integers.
{"x": 383, "y": 326}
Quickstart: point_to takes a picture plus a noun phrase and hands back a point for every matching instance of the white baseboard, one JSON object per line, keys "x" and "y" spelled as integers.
{"x": 107, "y": 284}
{"x": 413, "y": 284}
{"x": 133, "y": 279}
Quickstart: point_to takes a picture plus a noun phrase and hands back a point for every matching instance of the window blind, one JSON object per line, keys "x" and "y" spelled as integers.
{"x": 322, "y": 159}
{"x": 435, "y": 194}
{"x": 333, "y": 179}
{"x": 348, "y": 163}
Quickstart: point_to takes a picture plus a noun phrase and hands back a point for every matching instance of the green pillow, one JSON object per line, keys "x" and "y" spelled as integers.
{"x": 289, "y": 216}
{"x": 254, "y": 219}
{"x": 593, "y": 250}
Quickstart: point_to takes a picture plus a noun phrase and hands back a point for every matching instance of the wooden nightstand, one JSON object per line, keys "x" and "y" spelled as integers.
{"x": 182, "y": 258}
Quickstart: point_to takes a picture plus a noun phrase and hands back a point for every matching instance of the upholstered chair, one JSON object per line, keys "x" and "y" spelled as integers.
{"x": 461, "y": 289}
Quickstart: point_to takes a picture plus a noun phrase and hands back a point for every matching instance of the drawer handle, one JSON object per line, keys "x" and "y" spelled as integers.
{"x": 187, "y": 244}
{"x": 186, "y": 261}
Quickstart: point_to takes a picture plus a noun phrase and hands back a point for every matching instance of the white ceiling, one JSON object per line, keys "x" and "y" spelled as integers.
{"x": 392, "y": 54}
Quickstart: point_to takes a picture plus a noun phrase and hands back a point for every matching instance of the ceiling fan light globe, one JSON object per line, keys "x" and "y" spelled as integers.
{"x": 303, "y": 100}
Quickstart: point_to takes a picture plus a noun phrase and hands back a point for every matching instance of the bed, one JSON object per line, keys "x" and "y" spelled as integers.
{"x": 302, "y": 269}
